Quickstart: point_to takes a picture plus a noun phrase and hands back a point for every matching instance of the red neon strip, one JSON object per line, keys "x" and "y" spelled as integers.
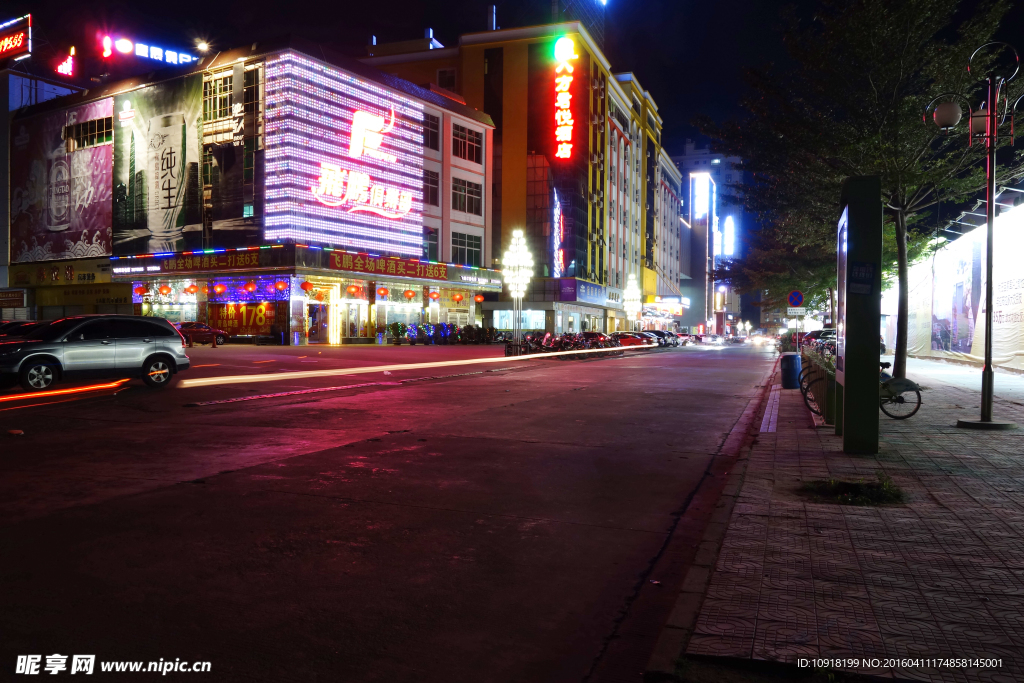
{"x": 63, "y": 392}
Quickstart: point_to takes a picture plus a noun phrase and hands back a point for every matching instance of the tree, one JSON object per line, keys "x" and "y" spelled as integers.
{"x": 863, "y": 74}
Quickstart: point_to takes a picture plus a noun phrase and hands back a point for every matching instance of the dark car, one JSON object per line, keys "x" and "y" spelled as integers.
{"x": 94, "y": 346}
{"x": 202, "y": 333}
{"x": 19, "y": 328}
{"x": 667, "y": 338}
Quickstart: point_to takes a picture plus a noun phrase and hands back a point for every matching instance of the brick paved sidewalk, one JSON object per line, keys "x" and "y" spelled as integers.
{"x": 939, "y": 576}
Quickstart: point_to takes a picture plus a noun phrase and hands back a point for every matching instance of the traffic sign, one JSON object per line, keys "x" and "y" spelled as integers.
{"x": 795, "y": 311}
{"x": 796, "y": 298}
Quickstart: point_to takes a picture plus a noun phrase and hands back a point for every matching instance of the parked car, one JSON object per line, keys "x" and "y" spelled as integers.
{"x": 94, "y": 346}
{"x": 684, "y": 338}
{"x": 632, "y": 339}
{"x": 667, "y": 338}
{"x": 202, "y": 333}
{"x": 713, "y": 339}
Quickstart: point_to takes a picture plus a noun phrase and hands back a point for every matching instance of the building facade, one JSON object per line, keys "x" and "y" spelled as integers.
{"x": 275, "y": 190}
{"x": 578, "y": 166}
{"x": 712, "y": 175}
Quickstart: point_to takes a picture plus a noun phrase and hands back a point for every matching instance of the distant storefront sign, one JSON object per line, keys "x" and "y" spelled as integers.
{"x": 379, "y": 265}
{"x": 12, "y": 298}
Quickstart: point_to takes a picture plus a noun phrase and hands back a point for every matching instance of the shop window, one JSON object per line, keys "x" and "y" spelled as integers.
{"x": 446, "y": 79}
{"x": 467, "y": 144}
{"x": 432, "y": 132}
{"x": 467, "y": 196}
{"x": 89, "y": 133}
{"x": 431, "y": 188}
{"x": 217, "y": 95}
{"x": 430, "y": 244}
{"x": 466, "y": 249}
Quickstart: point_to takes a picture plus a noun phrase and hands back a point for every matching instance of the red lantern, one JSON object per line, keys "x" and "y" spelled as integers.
{"x": 409, "y": 294}
{"x": 141, "y": 290}
{"x": 191, "y": 289}
{"x": 382, "y": 292}
{"x": 250, "y": 287}
{"x": 281, "y": 285}
{"x": 435, "y": 295}
{"x": 352, "y": 289}
{"x": 206, "y": 289}
{"x": 306, "y": 286}
{"x": 478, "y": 298}
{"x": 219, "y": 289}
{"x": 319, "y": 296}
{"x": 457, "y": 298}
{"x": 165, "y": 290}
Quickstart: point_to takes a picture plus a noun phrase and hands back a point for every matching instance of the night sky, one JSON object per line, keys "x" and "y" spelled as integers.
{"x": 689, "y": 54}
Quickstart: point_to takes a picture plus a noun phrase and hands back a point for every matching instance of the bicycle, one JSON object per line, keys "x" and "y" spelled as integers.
{"x": 898, "y": 397}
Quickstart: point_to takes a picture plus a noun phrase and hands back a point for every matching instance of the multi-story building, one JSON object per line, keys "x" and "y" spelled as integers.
{"x": 720, "y": 175}
{"x": 277, "y": 189}
{"x": 25, "y": 80}
{"x": 577, "y": 165}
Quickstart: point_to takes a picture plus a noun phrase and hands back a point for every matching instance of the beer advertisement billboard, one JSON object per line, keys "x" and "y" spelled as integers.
{"x": 61, "y": 184}
{"x": 157, "y": 195}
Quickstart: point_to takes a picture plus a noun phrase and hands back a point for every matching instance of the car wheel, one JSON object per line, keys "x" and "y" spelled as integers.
{"x": 157, "y": 372}
{"x": 221, "y": 340}
{"x": 38, "y": 376}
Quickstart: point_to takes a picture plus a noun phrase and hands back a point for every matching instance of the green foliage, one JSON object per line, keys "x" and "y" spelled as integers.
{"x": 396, "y": 330}
{"x": 862, "y": 74}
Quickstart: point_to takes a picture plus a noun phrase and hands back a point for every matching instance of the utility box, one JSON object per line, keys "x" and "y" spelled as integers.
{"x": 859, "y": 313}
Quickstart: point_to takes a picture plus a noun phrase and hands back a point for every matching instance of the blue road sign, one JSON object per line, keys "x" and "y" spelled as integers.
{"x": 796, "y": 298}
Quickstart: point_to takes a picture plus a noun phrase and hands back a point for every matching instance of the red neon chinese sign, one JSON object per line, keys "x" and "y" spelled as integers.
{"x": 16, "y": 37}
{"x": 338, "y": 186}
{"x": 67, "y": 67}
{"x": 565, "y": 51}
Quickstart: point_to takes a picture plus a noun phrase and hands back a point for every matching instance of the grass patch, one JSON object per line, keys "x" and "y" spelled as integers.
{"x": 881, "y": 492}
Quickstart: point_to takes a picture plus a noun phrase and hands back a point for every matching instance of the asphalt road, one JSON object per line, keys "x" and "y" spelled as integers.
{"x": 483, "y": 527}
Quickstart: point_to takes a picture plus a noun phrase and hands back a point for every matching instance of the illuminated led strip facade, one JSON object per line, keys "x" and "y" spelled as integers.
{"x": 323, "y": 186}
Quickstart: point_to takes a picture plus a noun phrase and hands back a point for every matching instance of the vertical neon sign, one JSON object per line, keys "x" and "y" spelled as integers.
{"x": 565, "y": 51}
{"x": 557, "y": 235}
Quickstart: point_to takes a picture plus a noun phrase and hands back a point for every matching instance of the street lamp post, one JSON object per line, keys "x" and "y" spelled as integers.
{"x": 517, "y": 269}
{"x": 631, "y": 300}
{"x": 983, "y": 124}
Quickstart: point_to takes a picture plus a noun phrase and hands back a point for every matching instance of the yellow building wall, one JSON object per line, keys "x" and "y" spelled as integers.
{"x": 513, "y": 147}
{"x": 650, "y": 282}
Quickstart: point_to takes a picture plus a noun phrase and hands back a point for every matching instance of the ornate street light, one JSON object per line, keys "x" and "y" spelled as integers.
{"x": 517, "y": 269}
{"x": 984, "y": 124}
{"x": 631, "y": 300}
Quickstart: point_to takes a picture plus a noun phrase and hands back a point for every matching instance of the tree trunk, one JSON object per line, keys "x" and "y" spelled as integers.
{"x": 899, "y": 366}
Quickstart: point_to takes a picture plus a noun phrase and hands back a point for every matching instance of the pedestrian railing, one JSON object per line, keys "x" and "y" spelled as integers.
{"x": 818, "y": 384}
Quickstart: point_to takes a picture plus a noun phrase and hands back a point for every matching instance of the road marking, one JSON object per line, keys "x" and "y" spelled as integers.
{"x": 63, "y": 392}
{"x": 298, "y": 392}
{"x": 306, "y": 374}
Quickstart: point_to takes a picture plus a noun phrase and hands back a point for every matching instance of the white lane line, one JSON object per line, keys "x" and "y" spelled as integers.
{"x": 305, "y": 374}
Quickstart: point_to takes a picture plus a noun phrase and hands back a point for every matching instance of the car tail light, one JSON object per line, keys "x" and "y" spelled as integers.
{"x": 183, "y": 344}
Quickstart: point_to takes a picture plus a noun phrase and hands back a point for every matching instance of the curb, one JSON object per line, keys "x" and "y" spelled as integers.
{"x": 675, "y": 634}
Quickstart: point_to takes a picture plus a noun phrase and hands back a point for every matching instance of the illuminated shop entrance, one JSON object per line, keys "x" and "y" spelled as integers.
{"x": 319, "y": 324}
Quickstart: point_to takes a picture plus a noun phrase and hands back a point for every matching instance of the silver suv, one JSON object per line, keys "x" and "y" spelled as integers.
{"x": 94, "y": 346}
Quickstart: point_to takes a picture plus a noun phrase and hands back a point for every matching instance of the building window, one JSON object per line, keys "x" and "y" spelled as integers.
{"x": 465, "y": 249}
{"x": 430, "y": 244}
{"x": 446, "y": 79}
{"x": 467, "y": 144}
{"x": 431, "y": 188}
{"x": 89, "y": 133}
{"x": 217, "y": 98}
{"x": 467, "y": 196}
{"x": 432, "y": 132}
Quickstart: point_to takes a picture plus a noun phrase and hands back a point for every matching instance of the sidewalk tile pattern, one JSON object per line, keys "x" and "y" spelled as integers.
{"x": 941, "y": 576}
